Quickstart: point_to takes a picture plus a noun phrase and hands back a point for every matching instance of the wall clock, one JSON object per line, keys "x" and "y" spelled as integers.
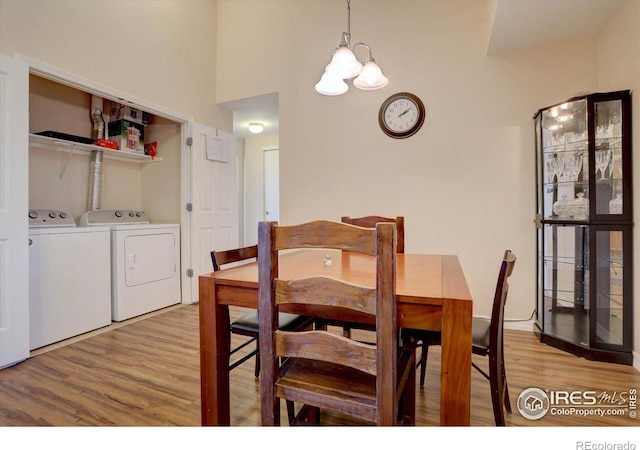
{"x": 401, "y": 115}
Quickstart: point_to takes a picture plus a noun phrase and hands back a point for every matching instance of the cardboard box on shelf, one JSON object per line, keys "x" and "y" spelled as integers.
{"x": 118, "y": 111}
{"x": 119, "y": 128}
{"x": 128, "y": 135}
{"x": 123, "y": 144}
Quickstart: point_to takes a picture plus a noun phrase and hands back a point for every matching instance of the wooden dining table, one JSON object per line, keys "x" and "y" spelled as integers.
{"x": 431, "y": 294}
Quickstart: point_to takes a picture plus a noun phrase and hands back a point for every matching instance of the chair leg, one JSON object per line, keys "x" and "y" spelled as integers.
{"x": 257, "y": 368}
{"x": 423, "y": 362}
{"x": 291, "y": 412}
{"x": 308, "y": 415}
{"x": 407, "y": 403}
{"x": 496, "y": 381}
{"x": 507, "y": 402}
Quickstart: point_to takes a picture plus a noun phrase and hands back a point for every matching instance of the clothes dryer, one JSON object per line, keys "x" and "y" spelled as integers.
{"x": 145, "y": 261}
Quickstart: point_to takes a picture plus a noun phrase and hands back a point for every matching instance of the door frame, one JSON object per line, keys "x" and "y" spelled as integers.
{"x": 264, "y": 181}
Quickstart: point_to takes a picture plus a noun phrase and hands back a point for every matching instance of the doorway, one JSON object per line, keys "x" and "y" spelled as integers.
{"x": 271, "y": 157}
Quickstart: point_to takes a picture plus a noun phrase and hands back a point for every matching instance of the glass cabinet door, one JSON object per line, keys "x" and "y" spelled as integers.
{"x": 565, "y": 281}
{"x": 609, "y": 178}
{"x": 610, "y": 272}
{"x": 565, "y": 162}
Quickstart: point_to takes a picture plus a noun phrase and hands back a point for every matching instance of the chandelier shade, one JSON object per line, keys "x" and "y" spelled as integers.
{"x": 344, "y": 64}
{"x": 371, "y": 77}
{"x": 331, "y": 85}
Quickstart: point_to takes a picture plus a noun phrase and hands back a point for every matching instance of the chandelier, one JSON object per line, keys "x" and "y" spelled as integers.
{"x": 345, "y": 66}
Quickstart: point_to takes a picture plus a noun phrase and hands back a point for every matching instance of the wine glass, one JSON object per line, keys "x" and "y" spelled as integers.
{"x": 558, "y": 167}
{"x": 602, "y": 161}
{"x": 549, "y": 167}
{"x": 569, "y": 166}
{"x": 573, "y": 165}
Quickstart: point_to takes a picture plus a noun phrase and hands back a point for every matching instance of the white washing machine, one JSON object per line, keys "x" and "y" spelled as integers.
{"x": 145, "y": 261}
{"x": 69, "y": 278}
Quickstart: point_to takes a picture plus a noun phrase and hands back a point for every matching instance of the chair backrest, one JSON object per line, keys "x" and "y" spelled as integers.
{"x": 496, "y": 329}
{"x": 221, "y": 258}
{"x": 327, "y": 298}
{"x": 371, "y": 221}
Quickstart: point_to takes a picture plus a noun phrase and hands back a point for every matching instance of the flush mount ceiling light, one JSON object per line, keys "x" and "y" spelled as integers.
{"x": 256, "y": 128}
{"x": 344, "y": 66}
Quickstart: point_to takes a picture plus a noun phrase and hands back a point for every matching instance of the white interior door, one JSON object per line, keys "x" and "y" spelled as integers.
{"x": 14, "y": 205}
{"x": 214, "y": 194}
{"x": 272, "y": 184}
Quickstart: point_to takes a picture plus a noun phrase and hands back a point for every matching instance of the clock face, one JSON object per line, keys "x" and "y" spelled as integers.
{"x": 401, "y": 115}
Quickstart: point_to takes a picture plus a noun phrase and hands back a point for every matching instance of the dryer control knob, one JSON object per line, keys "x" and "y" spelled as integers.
{"x": 118, "y": 213}
{"x": 131, "y": 214}
{"x": 52, "y": 215}
{"x": 63, "y": 215}
{"x": 33, "y": 214}
{"x": 138, "y": 214}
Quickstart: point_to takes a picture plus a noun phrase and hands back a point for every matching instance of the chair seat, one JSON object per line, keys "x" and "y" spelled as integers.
{"x": 332, "y": 386}
{"x": 480, "y": 335}
{"x": 480, "y": 339}
{"x": 248, "y": 324}
{"x": 328, "y": 378}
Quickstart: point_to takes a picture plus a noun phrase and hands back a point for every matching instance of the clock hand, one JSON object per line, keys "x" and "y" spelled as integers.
{"x": 404, "y": 112}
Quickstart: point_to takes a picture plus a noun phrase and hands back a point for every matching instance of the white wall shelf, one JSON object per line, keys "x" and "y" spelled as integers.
{"x": 48, "y": 143}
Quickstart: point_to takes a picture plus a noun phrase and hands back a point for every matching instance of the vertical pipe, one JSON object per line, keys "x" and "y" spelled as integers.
{"x": 95, "y": 180}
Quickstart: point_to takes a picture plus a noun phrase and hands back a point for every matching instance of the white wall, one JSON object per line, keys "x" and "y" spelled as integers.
{"x": 619, "y": 68}
{"x": 162, "y": 52}
{"x": 466, "y": 182}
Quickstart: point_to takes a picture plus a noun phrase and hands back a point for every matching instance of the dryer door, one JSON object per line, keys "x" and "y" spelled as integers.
{"x": 149, "y": 258}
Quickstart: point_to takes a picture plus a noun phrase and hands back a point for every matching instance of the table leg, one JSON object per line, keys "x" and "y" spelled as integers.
{"x": 455, "y": 376}
{"x": 214, "y": 356}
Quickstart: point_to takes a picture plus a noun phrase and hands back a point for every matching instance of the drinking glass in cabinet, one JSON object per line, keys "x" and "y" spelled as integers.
{"x": 573, "y": 166}
{"x": 555, "y": 168}
{"x": 615, "y": 205}
{"x": 603, "y": 158}
{"x": 548, "y": 165}
{"x": 604, "y": 131}
{"x": 579, "y": 207}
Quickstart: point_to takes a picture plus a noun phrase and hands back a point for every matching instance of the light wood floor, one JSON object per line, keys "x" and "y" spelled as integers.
{"x": 146, "y": 373}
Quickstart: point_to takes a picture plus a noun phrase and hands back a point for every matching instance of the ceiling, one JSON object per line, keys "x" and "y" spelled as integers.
{"x": 262, "y": 109}
{"x": 528, "y": 23}
{"x": 517, "y": 24}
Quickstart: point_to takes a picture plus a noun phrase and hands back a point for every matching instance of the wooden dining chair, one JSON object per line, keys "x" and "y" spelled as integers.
{"x": 247, "y": 325}
{"x": 488, "y": 340}
{"x": 321, "y": 369}
{"x": 371, "y": 221}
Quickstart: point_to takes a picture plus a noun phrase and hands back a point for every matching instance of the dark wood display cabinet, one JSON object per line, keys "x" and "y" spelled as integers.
{"x": 584, "y": 223}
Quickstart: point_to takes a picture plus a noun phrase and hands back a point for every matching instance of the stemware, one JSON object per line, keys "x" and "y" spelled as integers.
{"x": 559, "y": 167}
{"x": 548, "y": 165}
{"x": 603, "y": 158}
{"x": 573, "y": 166}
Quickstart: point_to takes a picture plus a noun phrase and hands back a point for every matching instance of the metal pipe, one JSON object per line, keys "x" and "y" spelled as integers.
{"x": 95, "y": 180}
